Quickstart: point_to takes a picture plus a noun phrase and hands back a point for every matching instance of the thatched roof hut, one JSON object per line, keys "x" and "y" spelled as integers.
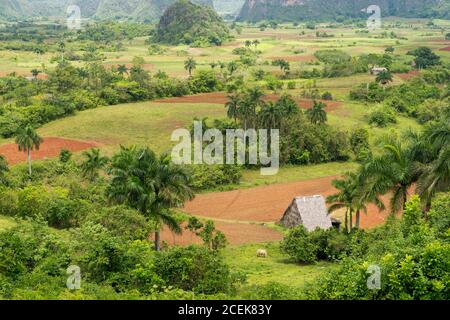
{"x": 311, "y": 212}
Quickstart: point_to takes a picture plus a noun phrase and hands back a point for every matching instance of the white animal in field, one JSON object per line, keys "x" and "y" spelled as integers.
{"x": 261, "y": 253}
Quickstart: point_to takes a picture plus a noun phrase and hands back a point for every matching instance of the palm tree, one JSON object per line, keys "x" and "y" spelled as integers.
{"x": 288, "y": 105}
{"x": 395, "y": 171}
{"x": 384, "y": 78}
{"x": 233, "y": 106}
{"x": 317, "y": 114}
{"x": 62, "y": 49}
{"x": 190, "y": 64}
{"x": 246, "y": 112}
{"x": 94, "y": 162}
{"x": 364, "y": 195}
{"x": 35, "y": 73}
{"x": 270, "y": 116}
{"x": 344, "y": 198}
{"x": 150, "y": 185}
{"x": 122, "y": 69}
{"x": 256, "y": 43}
{"x": 256, "y": 95}
{"x": 435, "y": 177}
{"x": 28, "y": 140}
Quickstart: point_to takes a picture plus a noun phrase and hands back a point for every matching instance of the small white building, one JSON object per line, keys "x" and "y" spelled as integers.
{"x": 377, "y": 70}
{"x": 311, "y": 212}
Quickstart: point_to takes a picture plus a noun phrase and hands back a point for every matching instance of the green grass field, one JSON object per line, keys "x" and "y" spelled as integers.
{"x": 274, "y": 268}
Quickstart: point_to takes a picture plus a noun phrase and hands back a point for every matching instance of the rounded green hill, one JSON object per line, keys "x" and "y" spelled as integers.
{"x": 188, "y": 23}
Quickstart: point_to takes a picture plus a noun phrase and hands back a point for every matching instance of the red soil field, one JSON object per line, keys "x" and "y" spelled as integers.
{"x": 268, "y": 203}
{"x": 445, "y": 49}
{"x": 409, "y": 75}
{"x": 41, "y": 76}
{"x": 50, "y": 148}
{"x": 237, "y": 233}
{"x": 221, "y": 98}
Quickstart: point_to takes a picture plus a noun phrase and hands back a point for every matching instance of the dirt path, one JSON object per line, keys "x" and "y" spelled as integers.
{"x": 50, "y": 148}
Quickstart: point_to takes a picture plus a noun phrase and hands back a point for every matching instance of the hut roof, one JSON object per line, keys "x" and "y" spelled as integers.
{"x": 310, "y": 212}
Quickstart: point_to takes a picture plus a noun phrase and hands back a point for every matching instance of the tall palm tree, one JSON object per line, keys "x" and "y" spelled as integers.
{"x": 384, "y": 78}
{"x": 150, "y": 185}
{"x": 270, "y": 116}
{"x": 364, "y": 194}
{"x": 232, "y": 106}
{"x": 344, "y": 198}
{"x": 317, "y": 114}
{"x": 94, "y": 162}
{"x": 288, "y": 105}
{"x": 190, "y": 64}
{"x": 122, "y": 69}
{"x": 256, "y": 95}
{"x": 395, "y": 171}
{"x": 246, "y": 112}
{"x": 28, "y": 140}
{"x": 435, "y": 177}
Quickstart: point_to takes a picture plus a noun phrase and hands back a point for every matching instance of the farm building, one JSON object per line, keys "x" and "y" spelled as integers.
{"x": 310, "y": 212}
{"x": 377, "y": 70}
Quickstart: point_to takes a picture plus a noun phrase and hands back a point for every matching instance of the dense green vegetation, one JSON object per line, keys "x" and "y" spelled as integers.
{"x": 108, "y": 209}
{"x": 282, "y": 10}
{"x": 188, "y": 23}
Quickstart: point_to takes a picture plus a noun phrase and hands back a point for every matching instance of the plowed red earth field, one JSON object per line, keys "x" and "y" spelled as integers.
{"x": 241, "y": 209}
{"x": 236, "y": 233}
{"x": 50, "y": 148}
{"x": 221, "y": 98}
{"x": 409, "y": 75}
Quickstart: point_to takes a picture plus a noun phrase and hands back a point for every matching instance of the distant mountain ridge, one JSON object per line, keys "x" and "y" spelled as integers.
{"x": 137, "y": 10}
{"x": 293, "y": 10}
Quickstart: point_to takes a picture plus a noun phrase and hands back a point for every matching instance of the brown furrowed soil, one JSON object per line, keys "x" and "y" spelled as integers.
{"x": 51, "y": 147}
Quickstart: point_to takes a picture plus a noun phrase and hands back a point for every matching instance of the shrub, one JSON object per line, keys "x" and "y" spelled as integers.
{"x": 381, "y": 118}
{"x": 298, "y": 245}
{"x": 194, "y": 268}
{"x": 122, "y": 222}
{"x": 205, "y": 177}
{"x": 439, "y": 215}
{"x": 327, "y": 96}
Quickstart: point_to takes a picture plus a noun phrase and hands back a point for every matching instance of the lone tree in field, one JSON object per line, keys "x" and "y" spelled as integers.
{"x": 384, "y": 77}
{"x": 317, "y": 114}
{"x": 151, "y": 185}
{"x": 190, "y": 64}
{"x": 28, "y": 140}
{"x": 94, "y": 162}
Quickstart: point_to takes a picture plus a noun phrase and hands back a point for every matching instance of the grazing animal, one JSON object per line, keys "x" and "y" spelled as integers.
{"x": 261, "y": 253}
